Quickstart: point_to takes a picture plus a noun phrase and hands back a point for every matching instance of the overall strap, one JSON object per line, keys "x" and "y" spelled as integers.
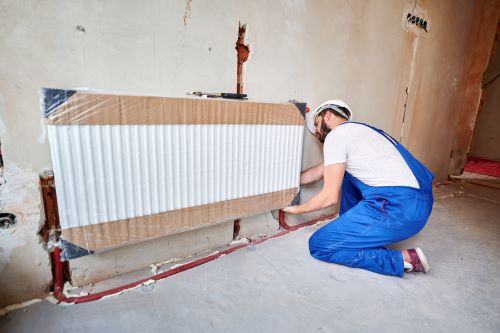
{"x": 422, "y": 174}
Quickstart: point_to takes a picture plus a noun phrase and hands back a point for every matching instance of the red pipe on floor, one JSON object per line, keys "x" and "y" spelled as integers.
{"x": 285, "y": 226}
{"x": 58, "y": 265}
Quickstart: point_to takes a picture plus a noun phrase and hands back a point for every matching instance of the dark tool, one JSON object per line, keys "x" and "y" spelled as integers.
{"x": 218, "y": 95}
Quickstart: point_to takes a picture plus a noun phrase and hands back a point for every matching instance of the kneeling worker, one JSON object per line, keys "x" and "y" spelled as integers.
{"x": 385, "y": 194}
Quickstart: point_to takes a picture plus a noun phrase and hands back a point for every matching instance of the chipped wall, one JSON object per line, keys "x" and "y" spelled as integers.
{"x": 24, "y": 263}
{"x": 360, "y": 51}
{"x": 479, "y": 46}
{"x": 486, "y": 139}
{"x": 448, "y": 66}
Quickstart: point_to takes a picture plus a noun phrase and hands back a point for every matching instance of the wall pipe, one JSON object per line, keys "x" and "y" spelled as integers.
{"x": 58, "y": 265}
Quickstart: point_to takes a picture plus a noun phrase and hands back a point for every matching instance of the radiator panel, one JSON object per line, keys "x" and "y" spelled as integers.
{"x": 115, "y": 172}
{"x": 129, "y": 168}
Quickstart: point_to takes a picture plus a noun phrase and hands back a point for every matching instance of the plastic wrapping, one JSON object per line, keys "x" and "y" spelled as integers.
{"x": 129, "y": 168}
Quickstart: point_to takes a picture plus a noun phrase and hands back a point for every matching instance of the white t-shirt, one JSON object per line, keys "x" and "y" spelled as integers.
{"x": 369, "y": 156}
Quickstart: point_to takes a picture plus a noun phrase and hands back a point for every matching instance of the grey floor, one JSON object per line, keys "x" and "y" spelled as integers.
{"x": 277, "y": 287}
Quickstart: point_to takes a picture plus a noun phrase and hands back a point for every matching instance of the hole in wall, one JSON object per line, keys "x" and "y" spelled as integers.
{"x": 7, "y": 220}
{"x": 80, "y": 28}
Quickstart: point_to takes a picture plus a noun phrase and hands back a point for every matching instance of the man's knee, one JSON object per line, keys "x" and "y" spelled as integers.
{"x": 320, "y": 244}
{"x": 322, "y": 249}
{"x": 313, "y": 244}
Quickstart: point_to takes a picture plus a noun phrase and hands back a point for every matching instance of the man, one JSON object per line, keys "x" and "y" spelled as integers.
{"x": 386, "y": 194}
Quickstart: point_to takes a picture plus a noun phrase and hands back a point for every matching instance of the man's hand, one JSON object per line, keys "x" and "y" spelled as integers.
{"x": 291, "y": 210}
{"x": 329, "y": 195}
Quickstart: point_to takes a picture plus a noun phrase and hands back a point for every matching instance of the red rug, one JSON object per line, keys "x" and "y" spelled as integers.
{"x": 484, "y": 167}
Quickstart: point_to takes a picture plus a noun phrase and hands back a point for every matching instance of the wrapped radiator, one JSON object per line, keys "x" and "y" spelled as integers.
{"x": 130, "y": 168}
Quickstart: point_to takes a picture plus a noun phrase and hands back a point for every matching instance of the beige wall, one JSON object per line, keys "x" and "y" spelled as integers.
{"x": 486, "y": 139}
{"x": 479, "y": 46}
{"x": 360, "y": 51}
{"x": 445, "y": 88}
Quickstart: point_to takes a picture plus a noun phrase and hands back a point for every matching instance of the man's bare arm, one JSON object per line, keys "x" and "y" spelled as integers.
{"x": 329, "y": 195}
{"x": 312, "y": 175}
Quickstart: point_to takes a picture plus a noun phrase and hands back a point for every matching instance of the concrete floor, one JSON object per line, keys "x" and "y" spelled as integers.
{"x": 276, "y": 286}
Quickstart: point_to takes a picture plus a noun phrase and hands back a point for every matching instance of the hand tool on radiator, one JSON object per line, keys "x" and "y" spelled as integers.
{"x": 218, "y": 95}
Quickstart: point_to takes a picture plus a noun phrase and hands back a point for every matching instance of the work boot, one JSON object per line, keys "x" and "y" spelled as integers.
{"x": 418, "y": 261}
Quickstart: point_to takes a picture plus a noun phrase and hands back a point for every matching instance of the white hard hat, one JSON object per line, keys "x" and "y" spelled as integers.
{"x": 331, "y": 104}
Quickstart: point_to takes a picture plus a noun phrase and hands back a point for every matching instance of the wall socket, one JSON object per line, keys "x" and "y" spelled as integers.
{"x": 419, "y": 22}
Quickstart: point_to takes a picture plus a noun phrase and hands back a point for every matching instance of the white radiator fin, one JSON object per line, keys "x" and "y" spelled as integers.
{"x": 113, "y": 172}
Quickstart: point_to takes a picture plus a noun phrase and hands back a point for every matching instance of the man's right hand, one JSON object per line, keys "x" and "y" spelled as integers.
{"x": 291, "y": 210}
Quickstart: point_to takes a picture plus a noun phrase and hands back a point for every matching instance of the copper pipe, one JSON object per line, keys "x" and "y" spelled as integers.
{"x": 242, "y": 52}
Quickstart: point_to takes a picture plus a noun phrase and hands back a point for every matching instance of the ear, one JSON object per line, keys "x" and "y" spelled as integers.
{"x": 328, "y": 115}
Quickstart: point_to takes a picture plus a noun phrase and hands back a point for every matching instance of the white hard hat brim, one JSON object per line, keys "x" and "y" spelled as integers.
{"x": 331, "y": 104}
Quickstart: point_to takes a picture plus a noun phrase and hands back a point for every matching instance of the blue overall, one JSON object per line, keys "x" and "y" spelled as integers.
{"x": 374, "y": 216}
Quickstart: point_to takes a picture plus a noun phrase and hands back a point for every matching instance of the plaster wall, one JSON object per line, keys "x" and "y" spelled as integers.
{"x": 486, "y": 139}
{"x": 444, "y": 86}
{"x": 360, "y": 51}
{"x": 481, "y": 40}
{"x": 24, "y": 263}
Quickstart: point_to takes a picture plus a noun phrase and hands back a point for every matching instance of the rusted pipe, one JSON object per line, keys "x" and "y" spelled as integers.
{"x": 242, "y": 53}
{"x": 51, "y": 228}
{"x": 236, "y": 228}
{"x": 58, "y": 273}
